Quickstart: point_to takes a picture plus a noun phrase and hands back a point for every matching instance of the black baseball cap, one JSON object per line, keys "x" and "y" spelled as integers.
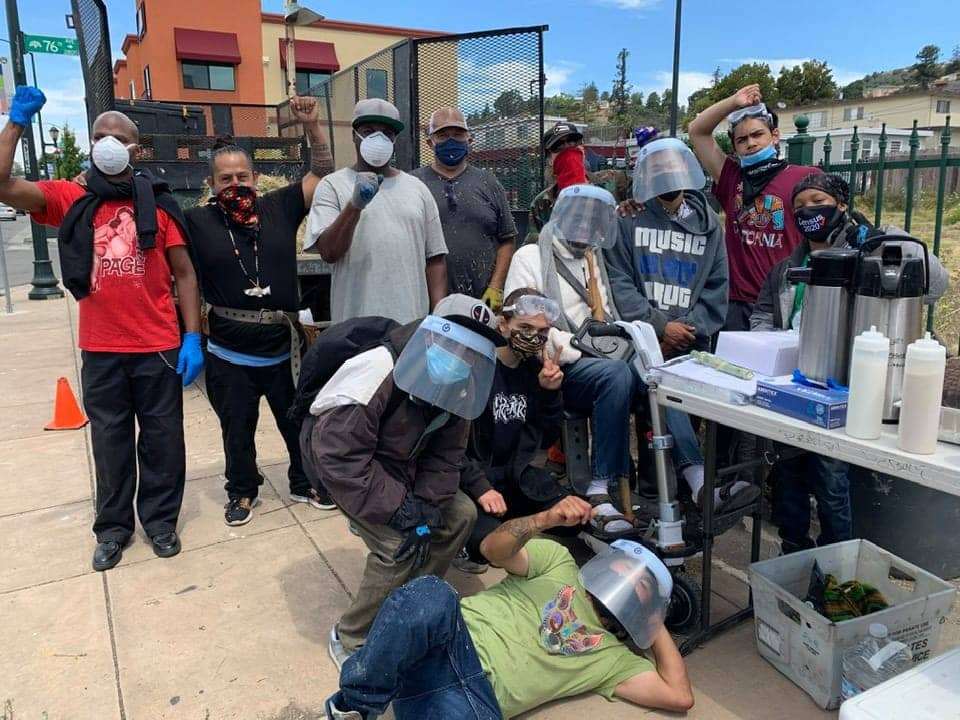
{"x": 560, "y": 131}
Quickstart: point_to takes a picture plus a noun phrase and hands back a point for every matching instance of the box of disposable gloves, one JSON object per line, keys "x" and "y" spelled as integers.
{"x": 826, "y": 408}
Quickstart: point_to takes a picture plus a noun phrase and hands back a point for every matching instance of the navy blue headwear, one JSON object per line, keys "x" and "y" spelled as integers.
{"x": 833, "y": 185}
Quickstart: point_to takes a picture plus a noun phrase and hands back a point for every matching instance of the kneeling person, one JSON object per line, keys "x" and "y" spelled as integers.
{"x": 547, "y": 631}
{"x": 387, "y": 437}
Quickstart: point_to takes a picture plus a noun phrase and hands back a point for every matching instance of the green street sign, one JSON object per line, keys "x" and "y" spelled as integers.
{"x": 50, "y": 45}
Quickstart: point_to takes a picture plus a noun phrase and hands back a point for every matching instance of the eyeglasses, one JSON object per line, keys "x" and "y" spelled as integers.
{"x": 754, "y": 111}
{"x": 449, "y": 192}
{"x": 533, "y": 305}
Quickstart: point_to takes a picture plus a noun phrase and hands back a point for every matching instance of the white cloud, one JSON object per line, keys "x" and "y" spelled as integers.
{"x": 689, "y": 82}
{"x": 630, "y": 4}
{"x": 558, "y": 75}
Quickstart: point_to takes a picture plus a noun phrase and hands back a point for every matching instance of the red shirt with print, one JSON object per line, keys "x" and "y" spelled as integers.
{"x": 763, "y": 233}
{"x": 130, "y": 307}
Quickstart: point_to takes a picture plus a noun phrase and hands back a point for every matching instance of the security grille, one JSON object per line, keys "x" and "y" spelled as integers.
{"x": 496, "y": 79}
{"x": 90, "y": 19}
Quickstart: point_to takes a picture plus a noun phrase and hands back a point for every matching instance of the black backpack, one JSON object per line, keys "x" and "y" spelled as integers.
{"x": 334, "y": 347}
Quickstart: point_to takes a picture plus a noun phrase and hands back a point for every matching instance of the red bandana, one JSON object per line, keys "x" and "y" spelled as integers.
{"x": 239, "y": 204}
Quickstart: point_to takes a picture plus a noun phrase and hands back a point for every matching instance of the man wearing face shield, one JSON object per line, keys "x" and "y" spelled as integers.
{"x": 387, "y": 437}
{"x": 121, "y": 239}
{"x": 546, "y": 632}
{"x": 522, "y": 415}
{"x": 566, "y": 160}
{"x": 477, "y": 223}
{"x": 379, "y": 227}
{"x": 669, "y": 269}
{"x": 582, "y": 224}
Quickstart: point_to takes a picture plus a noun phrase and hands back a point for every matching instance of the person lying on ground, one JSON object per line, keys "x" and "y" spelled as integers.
{"x": 548, "y": 631}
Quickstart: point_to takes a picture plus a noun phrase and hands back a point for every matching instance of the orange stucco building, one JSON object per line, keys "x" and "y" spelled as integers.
{"x": 230, "y": 51}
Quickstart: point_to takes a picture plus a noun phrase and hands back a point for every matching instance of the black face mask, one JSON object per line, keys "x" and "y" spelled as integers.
{"x": 670, "y": 196}
{"x": 526, "y": 345}
{"x": 817, "y": 222}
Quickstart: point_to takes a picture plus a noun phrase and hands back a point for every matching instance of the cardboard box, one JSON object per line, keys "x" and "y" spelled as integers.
{"x": 817, "y": 406}
{"x": 766, "y": 352}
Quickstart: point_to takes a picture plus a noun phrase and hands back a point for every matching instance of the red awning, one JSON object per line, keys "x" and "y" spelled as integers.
{"x": 206, "y": 46}
{"x": 311, "y": 55}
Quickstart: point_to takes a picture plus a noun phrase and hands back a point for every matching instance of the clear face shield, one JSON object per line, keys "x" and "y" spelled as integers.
{"x": 448, "y": 366}
{"x": 634, "y": 585}
{"x": 584, "y": 216}
{"x": 665, "y": 166}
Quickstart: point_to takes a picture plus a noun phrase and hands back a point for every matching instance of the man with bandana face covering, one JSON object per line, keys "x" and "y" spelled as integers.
{"x": 245, "y": 248}
{"x": 379, "y": 227}
{"x": 121, "y": 239}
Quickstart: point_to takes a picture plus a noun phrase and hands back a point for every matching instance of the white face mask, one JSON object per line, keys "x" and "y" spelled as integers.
{"x": 110, "y": 156}
{"x": 376, "y": 149}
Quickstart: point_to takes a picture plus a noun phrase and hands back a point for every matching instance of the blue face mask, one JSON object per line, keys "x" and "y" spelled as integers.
{"x": 451, "y": 151}
{"x": 444, "y": 367}
{"x": 768, "y": 153}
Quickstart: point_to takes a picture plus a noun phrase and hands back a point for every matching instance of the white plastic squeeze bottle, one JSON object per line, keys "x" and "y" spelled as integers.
{"x": 922, "y": 396}
{"x": 868, "y": 382}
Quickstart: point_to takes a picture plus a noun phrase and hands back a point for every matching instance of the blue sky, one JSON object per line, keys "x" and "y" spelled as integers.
{"x": 585, "y": 36}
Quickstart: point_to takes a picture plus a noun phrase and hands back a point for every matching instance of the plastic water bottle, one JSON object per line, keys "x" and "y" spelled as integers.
{"x": 872, "y": 661}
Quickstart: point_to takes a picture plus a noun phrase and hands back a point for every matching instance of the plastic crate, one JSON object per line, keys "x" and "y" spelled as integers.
{"x": 806, "y": 647}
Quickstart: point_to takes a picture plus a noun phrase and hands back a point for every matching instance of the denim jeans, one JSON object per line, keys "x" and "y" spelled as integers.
{"x": 419, "y": 655}
{"x": 609, "y": 391}
{"x": 824, "y": 477}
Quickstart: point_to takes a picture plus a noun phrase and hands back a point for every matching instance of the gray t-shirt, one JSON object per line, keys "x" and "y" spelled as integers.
{"x": 384, "y": 271}
{"x": 476, "y": 218}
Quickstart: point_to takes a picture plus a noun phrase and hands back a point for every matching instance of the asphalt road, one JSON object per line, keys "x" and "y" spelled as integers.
{"x": 18, "y": 247}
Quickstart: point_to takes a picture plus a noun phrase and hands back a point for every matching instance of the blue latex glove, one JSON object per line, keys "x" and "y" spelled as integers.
{"x": 190, "y": 362}
{"x": 26, "y": 103}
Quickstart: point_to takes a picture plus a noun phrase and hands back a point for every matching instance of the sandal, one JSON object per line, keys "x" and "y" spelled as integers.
{"x": 599, "y": 523}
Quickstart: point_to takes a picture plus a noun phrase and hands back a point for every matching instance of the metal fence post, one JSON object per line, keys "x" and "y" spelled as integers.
{"x": 800, "y": 146}
{"x": 911, "y": 176}
{"x": 941, "y": 192}
{"x": 827, "y": 149}
{"x": 878, "y": 209}
{"x": 854, "y": 156}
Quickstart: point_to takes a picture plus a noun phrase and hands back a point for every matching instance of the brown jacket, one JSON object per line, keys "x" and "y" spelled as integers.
{"x": 365, "y": 459}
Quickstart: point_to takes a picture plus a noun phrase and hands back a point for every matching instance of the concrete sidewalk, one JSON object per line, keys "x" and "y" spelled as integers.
{"x": 236, "y": 625}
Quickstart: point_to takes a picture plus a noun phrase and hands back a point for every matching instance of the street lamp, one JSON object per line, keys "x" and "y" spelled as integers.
{"x": 674, "y": 100}
{"x": 295, "y": 14}
{"x": 55, "y": 136}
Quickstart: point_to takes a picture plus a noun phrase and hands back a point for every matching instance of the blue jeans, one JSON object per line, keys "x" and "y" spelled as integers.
{"x": 608, "y": 391}
{"x": 827, "y": 480}
{"x": 418, "y": 655}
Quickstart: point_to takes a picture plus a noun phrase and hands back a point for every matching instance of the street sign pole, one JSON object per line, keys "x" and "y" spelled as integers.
{"x": 43, "y": 143}
{"x": 45, "y": 285}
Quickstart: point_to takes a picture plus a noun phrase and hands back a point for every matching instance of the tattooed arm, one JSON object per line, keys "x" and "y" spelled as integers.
{"x": 504, "y": 546}
{"x": 307, "y": 111}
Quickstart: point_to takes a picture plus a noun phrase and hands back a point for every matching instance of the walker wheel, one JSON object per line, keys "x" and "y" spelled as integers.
{"x": 684, "y": 611}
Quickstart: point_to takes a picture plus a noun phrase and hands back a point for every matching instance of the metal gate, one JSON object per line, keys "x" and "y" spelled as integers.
{"x": 495, "y": 77}
{"x": 93, "y": 32}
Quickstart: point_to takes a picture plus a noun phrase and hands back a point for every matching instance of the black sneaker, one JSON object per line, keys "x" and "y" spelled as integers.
{"x": 320, "y": 499}
{"x": 239, "y": 511}
{"x": 463, "y": 563}
{"x": 107, "y": 555}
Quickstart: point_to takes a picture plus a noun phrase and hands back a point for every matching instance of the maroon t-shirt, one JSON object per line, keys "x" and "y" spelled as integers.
{"x": 763, "y": 233}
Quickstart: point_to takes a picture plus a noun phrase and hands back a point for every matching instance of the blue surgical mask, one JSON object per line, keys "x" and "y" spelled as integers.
{"x": 444, "y": 367}
{"x": 768, "y": 153}
{"x": 451, "y": 151}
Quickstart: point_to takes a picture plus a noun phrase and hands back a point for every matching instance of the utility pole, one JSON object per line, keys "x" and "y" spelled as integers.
{"x": 674, "y": 100}
{"x": 44, "y": 282}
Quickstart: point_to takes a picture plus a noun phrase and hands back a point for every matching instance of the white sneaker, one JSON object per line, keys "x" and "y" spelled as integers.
{"x": 463, "y": 563}
{"x": 336, "y": 650}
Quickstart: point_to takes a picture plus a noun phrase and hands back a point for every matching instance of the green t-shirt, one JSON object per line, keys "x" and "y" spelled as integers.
{"x": 539, "y": 638}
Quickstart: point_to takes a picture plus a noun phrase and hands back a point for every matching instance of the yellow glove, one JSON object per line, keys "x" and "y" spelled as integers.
{"x": 493, "y": 297}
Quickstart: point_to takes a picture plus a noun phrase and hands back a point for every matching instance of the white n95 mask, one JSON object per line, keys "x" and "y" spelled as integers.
{"x": 376, "y": 149}
{"x": 110, "y": 156}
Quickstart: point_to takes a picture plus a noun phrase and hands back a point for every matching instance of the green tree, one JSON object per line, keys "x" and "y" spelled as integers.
{"x": 653, "y": 102}
{"x": 70, "y": 159}
{"x": 717, "y": 76}
{"x": 589, "y": 95}
{"x": 620, "y": 92}
{"x": 806, "y": 83}
{"x": 853, "y": 91}
{"x": 509, "y": 103}
{"x": 605, "y": 96}
{"x": 927, "y": 67}
{"x": 953, "y": 65}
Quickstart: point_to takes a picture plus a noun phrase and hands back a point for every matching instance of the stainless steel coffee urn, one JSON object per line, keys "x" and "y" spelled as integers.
{"x": 888, "y": 289}
{"x": 825, "y": 315}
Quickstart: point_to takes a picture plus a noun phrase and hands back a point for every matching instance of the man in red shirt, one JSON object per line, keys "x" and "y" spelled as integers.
{"x": 121, "y": 238}
{"x": 754, "y": 188}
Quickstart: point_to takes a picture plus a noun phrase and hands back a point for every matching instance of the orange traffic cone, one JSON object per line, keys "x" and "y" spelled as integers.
{"x": 67, "y": 414}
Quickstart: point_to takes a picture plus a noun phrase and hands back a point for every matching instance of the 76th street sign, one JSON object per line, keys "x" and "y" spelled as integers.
{"x": 51, "y": 45}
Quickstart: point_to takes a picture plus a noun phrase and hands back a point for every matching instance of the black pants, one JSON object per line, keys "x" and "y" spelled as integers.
{"x": 734, "y": 446}
{"x": 235, "y": 392}
{"x": 518, "y": 505}
{"x": 118, "y": 389}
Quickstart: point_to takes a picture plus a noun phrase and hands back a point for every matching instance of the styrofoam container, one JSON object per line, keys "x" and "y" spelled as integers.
{"x": 768, "y": 352}
{"x": 930, "y": 691}
{"x": 806, "y": 647}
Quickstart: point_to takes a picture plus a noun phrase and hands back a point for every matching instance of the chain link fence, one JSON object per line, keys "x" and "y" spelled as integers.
{"x": 93, "y": 32}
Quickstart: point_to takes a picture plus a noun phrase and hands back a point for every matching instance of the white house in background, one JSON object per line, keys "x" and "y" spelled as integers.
{"x": 516, "y": 131}
{"x": 898, "y": 143}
